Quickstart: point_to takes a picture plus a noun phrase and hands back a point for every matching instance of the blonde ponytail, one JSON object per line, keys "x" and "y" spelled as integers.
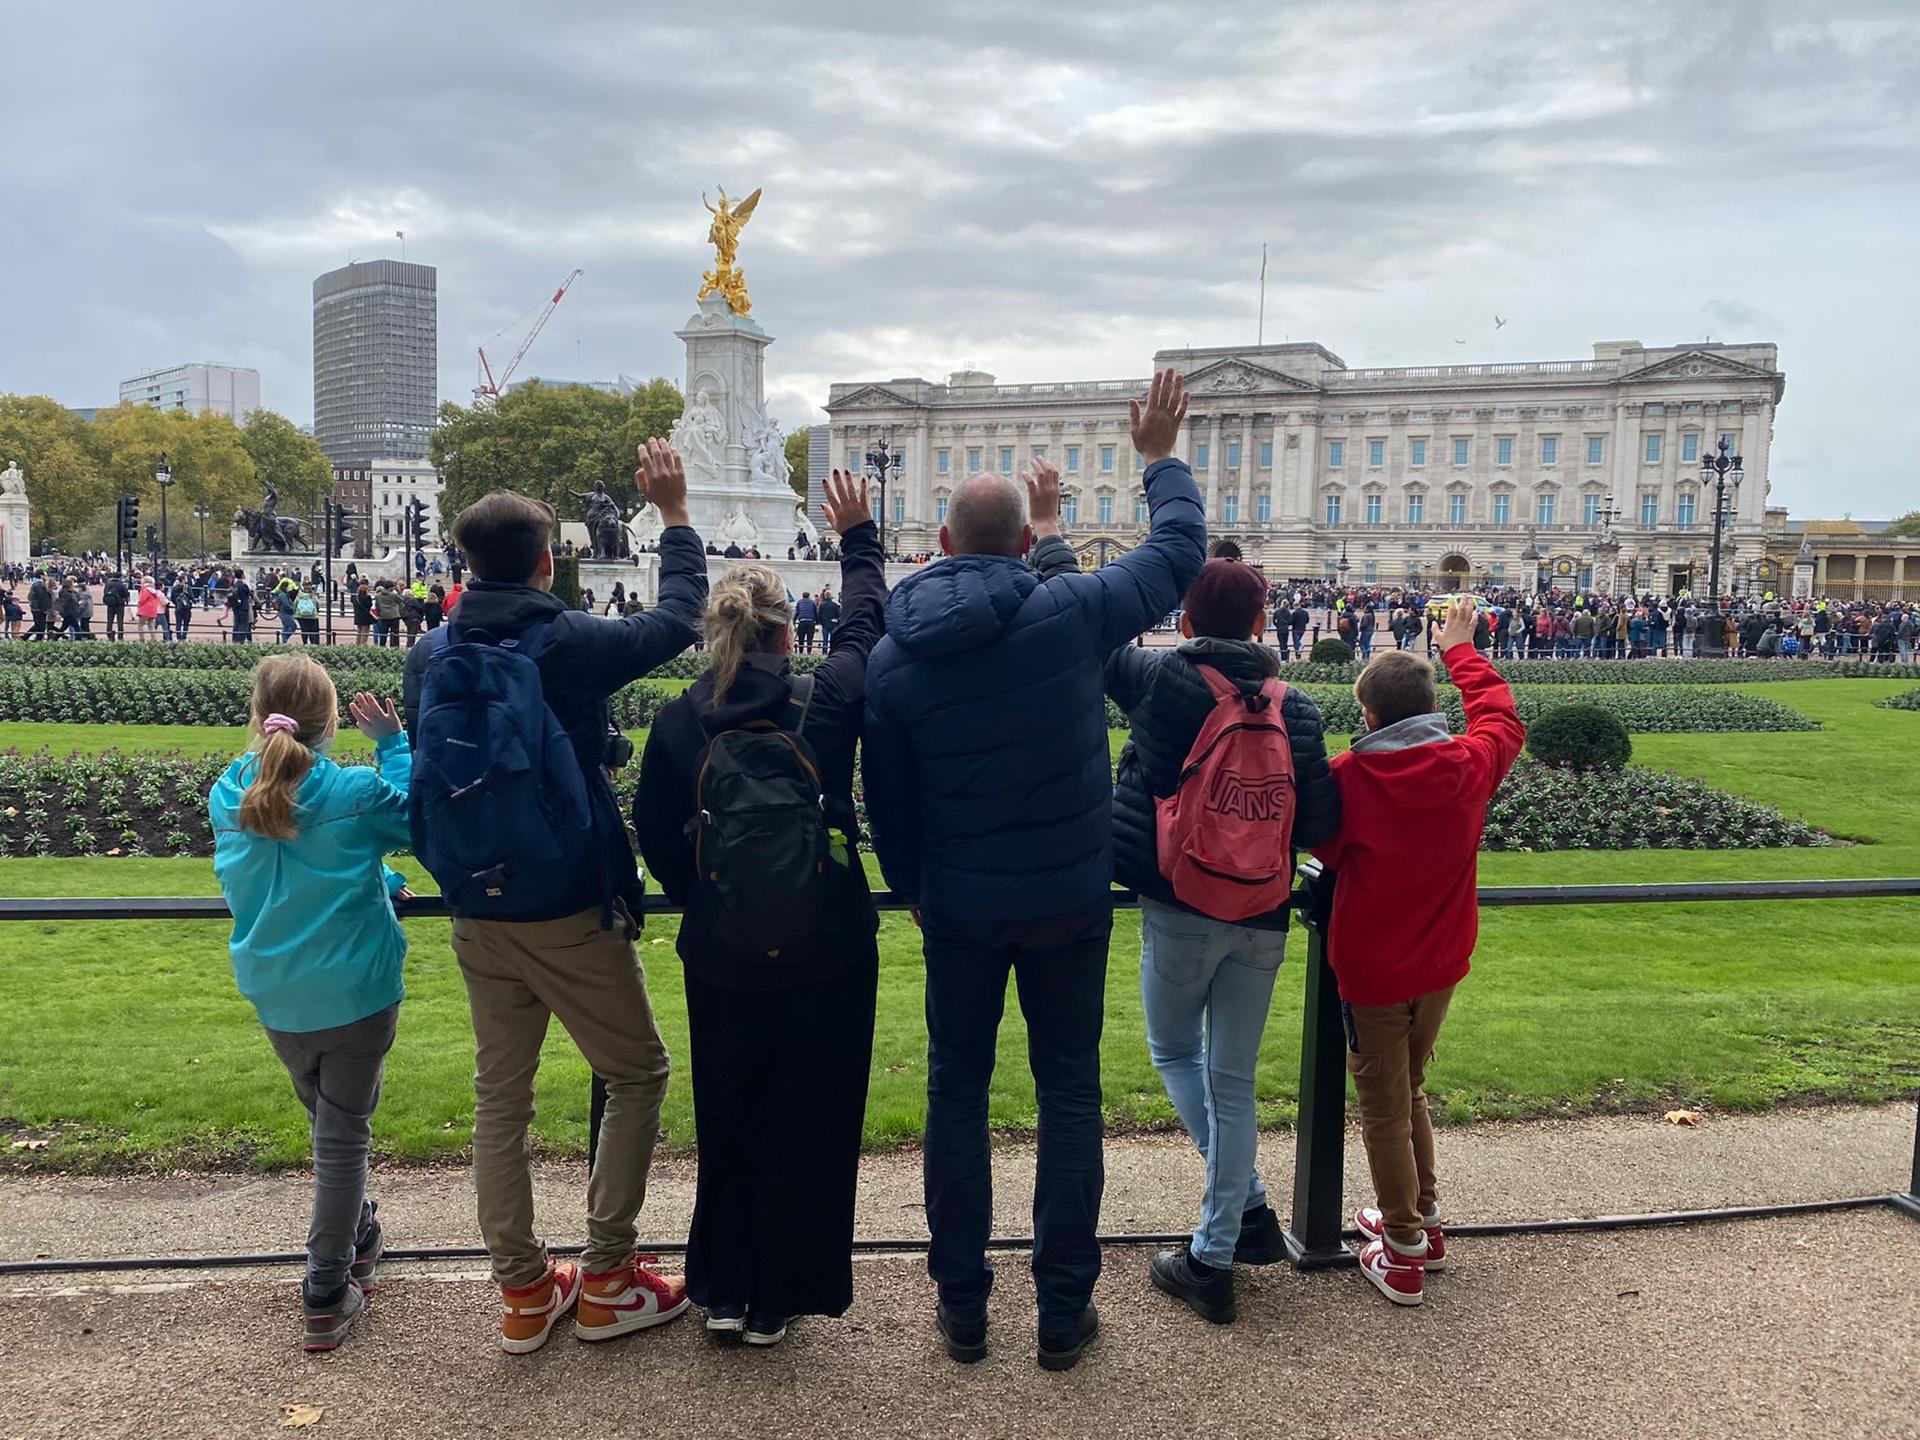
{"x": 295, "y": 708}
{"x": 747, "y": 612}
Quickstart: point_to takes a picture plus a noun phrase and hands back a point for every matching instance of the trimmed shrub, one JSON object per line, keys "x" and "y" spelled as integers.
{"x": 566, "y": 580}
{"x": 1330, "y": 652}
{"x": 1580, "y": 736}
{"x": 1541, "y": 808}
{"x": 1905, "y": 700}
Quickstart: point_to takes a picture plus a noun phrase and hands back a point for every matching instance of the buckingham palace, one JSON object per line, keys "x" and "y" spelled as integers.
{"x": 1447, "y": 475}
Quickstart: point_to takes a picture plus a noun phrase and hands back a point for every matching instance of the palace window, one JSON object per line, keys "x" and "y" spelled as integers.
{"x": 1073, "y": 459}
{"x": 1374, "y": 508}
{"x": 1336, "y": 454}
{"x": 1333, "y": 509}
{"x": 1731, "y": 440}
{"x": 1596, "y": 449}
{"x": 1650, "y": 509}
{"x": 1070, "y": 509}
{"x": 1139, "y": 509}
{"x": 1006, "y": 460}
{"x": 1233, "y": 454}
{"x": 1106, "y": 458}
{"x": 973, "y": 459}
{"x": 1039, "y": 452}
{"x": 1266, "y": 454}
{"x": 1690, "y": 448}
{"x": 1371, "y": 572}
{"x": 1503, "y": 450}
{"x": 1232, "y": 507}
{"x": 899, "y": 509}
{"x": 1376, "y": 453}
{"x": 1543, "y": 509}
{"x": 940, "y": 509}
{"x": 1653, "y": 449}
{"x": 943, "y": 461}
{"x": 1416, "y": 509}
{"x": 1200, "y": 456}
{"x": 1456, "y": 509}
{"x": 1461, "y": 449}
{"x": 1684, "y": 510}
{"x": 1263, "y": 507}
{"x": 1502, "y": 509}
{"x": 1549, "y": 449}
{"x": 1589, "y": 509}
{"x": 1106, "y": 509}
{"x": 1416, "y": 453}
{"x": 1497, "y": 573}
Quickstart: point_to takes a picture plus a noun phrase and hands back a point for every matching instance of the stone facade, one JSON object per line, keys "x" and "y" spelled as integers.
{"x": 1442, "y": 473}
{"x": 1841, "y": 559}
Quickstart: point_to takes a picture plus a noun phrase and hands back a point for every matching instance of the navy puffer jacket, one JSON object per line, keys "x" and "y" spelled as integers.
{"x": 1167, "y": 702}
{"x": 987, "y": 778}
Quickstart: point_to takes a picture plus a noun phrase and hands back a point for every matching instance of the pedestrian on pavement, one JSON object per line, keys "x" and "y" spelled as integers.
{"x": 989, "y": 789}
{"x": 299, "y": 843}
{"x": 782, "y": 1043}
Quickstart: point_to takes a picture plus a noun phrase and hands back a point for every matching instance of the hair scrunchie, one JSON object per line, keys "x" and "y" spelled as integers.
{"x": 277, "y": 721}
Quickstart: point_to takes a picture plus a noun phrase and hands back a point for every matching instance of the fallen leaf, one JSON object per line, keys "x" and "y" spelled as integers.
{"x": 299, "y": 1417}
{"x": 29, "y": 1145}
{"x": 1683, "y": 1117}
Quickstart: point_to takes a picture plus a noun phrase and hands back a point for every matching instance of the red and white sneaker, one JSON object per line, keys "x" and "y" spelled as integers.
{"x": 1401, "y": 1278}
{"x": 618, "y": 1302}
{"x": 532, "y": 1311}
{"x": 1373, "y": 1225}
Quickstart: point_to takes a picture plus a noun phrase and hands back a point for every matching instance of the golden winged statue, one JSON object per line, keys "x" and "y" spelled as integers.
{"x": 729, "y": 219}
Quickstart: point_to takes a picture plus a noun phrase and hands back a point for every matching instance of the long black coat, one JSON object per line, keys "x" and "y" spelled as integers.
{"x": 1167, "y": 702}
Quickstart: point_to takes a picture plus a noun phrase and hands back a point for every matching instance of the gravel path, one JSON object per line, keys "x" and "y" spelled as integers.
{"x": 1802, "y": 1326}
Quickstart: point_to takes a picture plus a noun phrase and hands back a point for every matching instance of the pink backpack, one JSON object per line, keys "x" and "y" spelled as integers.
{"x": 1225, "y": 833}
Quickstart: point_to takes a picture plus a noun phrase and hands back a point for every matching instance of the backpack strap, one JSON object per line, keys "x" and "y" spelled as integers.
{"x": 801, "y": 698}
{"x": 1224, "y": 689}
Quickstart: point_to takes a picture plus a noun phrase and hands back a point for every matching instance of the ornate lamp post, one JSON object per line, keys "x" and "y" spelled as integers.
{"x": 1342, "y": 568}
{"x": 163, "y": 477}
{"x": 882, "y": 462}
{"x": 200, "y": 513}
{"x": 1718, "y": 467}
{"x": 1532, "y": 556}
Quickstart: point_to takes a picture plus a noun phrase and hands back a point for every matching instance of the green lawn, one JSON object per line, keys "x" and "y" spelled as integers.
{"x": 126, "y": 1042}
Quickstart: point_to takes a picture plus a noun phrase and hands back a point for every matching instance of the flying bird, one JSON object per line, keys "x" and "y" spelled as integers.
{"x": 1498, "y": 321}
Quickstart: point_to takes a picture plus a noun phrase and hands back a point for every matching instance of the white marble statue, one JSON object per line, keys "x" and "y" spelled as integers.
{"x": 770, "y": 456}
{"x": 736, "y": 529}
{"x": 700, "y": 435}
{"x": 12, "y": 482}
{"x": 645, "y": 527}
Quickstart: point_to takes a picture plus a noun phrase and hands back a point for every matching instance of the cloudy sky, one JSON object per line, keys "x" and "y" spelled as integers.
{"x": 1049, "y": 191}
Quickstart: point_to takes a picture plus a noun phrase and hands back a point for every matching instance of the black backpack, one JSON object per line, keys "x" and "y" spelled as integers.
{"x": 761, "y": 841}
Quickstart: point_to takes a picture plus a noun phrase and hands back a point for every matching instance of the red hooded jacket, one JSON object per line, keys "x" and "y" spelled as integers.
{"x": 1413, "y": 803}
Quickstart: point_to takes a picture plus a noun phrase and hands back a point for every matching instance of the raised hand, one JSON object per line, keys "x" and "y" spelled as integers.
{"x": 1043, "y": 497}
{"x": 1156, "y": 427}
{"x": 372, "y": 716}
{"x": 662, "y": 479}
{"x": 846, "y": 504}
{"x": 1458, "y": 629}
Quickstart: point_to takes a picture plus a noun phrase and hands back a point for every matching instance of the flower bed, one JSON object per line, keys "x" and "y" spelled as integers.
{"x": 1541, "y": 808}
{"x": 138, "y": 655}
{"x": 1905, "y": 700}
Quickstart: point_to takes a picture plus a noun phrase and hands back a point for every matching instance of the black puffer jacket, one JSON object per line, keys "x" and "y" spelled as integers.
{"x": 1167, "y": 702}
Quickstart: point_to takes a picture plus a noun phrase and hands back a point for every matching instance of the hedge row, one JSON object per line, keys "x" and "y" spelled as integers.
{"x": 101, "y": 655}
{"x": 121, "y": 805}
{"x": 1644, "y": 710}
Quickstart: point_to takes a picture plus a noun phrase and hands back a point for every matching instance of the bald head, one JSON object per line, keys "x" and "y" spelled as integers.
{"x": 988, "y": 516}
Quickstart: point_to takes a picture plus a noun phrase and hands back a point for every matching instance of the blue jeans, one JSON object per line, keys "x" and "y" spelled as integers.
{"x": 286, "y": 626}
{"x": 1060, "y": 967}
{"x": 1206, "y": 986}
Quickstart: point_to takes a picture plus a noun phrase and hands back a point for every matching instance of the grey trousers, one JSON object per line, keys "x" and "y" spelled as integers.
{"x": 336, "y": 1073}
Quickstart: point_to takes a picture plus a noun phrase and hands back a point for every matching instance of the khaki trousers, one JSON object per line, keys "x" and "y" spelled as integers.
{"x": 518, "y": 974}
{"x": 1388, "y": 1047}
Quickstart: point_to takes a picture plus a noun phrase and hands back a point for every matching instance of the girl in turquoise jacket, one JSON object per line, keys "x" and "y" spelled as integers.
{"x": 299, "y": 847}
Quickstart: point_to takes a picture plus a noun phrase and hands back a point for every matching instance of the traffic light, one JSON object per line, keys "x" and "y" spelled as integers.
{"x": 128, "y": 511}
{"x": 339, "y": 528}
{"x": 417, "y": 522}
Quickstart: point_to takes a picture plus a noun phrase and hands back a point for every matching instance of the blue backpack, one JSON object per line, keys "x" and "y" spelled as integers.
{"x": 499, "y": 808}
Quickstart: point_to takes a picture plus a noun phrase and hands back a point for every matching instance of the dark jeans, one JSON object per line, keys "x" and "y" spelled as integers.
{"x": 336, "y": 1073}
{"x": 1060, "y": 967}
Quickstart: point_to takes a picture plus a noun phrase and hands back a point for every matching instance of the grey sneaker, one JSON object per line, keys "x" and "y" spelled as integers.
{"x": 368, "y": 1248}
{"x": 324, "y": 1326}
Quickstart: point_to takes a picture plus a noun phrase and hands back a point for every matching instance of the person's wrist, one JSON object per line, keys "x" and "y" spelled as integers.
{"x": 675, "y": 516}
{"x": 1152, "y": 459}
{"x": 1046, "y": 529}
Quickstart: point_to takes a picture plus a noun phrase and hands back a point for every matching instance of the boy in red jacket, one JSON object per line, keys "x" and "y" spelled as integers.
{"x": 1405, "y": 917}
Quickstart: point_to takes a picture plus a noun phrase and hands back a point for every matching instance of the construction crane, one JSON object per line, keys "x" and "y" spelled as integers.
{"x": 488, "y": 390}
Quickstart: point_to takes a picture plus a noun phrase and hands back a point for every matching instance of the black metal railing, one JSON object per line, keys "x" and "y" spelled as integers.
{"x": 1317, "y": 1231}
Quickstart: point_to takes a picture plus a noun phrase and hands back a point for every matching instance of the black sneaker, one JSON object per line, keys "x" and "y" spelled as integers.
{"x": 368, "y": 1247}
{"x": 726, "y": 1319}
{"x": 765, "y": 1329}
{"x": 966, "y": 1339}
{"x": 1062, "y": 1349}
{"x": 1205, "y": 1290}
{"x": 1260, "y": 1242}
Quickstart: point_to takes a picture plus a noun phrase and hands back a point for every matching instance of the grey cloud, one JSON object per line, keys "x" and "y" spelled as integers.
{"x": 1051, "y": 190}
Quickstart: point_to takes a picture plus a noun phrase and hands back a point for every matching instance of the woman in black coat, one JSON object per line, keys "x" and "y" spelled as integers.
{"x": 781, "y": 1047}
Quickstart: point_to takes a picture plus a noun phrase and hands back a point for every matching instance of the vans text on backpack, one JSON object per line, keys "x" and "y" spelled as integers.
{"x": 1225, "y": 833}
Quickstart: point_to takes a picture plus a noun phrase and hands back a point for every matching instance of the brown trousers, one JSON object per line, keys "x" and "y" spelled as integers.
{"x": 1388, "y": 1047}
{"x": 518, "y": 974}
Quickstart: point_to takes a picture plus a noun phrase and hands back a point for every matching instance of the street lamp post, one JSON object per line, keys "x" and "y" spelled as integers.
{"x": 200, "y": 513}
{"x": 1342, "y": 568}
{"x": 1717, "y": 467}
{"x": 883, "y": 462}
{"x": 1532, "y": 556}
{"x": 163, "y": 477}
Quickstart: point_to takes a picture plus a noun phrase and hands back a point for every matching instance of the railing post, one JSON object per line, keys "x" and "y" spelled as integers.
{"x": 1910, "y": 1202}
{"x": 1313, "y": 1234}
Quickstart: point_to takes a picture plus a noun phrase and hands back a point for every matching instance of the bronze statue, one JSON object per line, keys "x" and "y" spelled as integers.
{"x": 724, "y": 280}
{"x": 605, "y": 531}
